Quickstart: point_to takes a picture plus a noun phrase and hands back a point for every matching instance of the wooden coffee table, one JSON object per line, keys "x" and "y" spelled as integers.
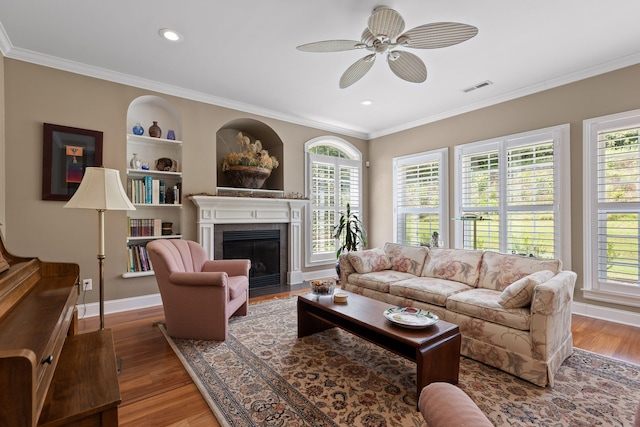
{"x": 435, "y": 349}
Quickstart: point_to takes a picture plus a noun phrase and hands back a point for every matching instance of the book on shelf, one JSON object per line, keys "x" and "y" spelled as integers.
{"x": 147, "y": 190}
{"x": 144, "y": 227}
{"x": 138, "y": 259}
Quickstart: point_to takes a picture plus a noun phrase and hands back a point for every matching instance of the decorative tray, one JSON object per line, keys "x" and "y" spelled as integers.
{"x": 410, "y": 317}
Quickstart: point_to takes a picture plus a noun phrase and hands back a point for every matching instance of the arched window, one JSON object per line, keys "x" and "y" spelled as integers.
{"x": 333, "y": 179}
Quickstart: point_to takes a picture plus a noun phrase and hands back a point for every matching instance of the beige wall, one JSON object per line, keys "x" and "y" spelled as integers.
{"x": 35, "y": 94}
{"x": 598, "y": 96}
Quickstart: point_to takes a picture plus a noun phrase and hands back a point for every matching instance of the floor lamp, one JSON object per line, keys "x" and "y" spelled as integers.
{"x": 100, "y": 189}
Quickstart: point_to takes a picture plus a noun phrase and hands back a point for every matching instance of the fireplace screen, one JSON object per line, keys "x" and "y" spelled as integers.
{"x": 262, "y": 247}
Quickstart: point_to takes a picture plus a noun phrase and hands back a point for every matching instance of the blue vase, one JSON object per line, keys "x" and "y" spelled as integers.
{"x": 138, "y": 129}
{"x": 171, "y": 135}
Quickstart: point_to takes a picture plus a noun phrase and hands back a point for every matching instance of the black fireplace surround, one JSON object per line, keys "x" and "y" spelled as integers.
{"x": 264, "y": 244}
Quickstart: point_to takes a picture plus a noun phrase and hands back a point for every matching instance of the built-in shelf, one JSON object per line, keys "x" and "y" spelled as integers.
{"x": 148, "y": 151}
{"x": 137, "y": 274}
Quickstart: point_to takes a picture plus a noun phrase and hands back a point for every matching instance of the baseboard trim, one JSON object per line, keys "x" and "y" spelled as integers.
{"x": 119, "y": 305}
{"x": 604, "y": 313}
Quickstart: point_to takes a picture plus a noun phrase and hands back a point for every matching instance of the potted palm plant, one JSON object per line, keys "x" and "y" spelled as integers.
{"x": 350, "y": 232}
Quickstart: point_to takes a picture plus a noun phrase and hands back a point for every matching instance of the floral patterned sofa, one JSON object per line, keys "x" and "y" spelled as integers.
{"x": 514, "y": 312}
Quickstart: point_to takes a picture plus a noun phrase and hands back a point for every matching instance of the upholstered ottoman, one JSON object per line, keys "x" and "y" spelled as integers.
{"x": 445, "y": 405}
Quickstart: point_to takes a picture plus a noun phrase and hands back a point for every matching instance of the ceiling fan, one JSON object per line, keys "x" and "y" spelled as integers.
{"x": 384, "y": 34}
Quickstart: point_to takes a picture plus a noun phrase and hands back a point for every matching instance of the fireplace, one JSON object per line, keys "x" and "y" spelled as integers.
{"x": 264, "y": 244}
{"x": 262, "y": 247}
{"x": 217, "y": 214}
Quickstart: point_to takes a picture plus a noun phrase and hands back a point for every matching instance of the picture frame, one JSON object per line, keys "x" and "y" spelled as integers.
{"x": 67, "y": 152}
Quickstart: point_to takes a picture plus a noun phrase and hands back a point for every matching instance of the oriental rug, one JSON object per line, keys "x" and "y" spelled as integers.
{"x": 263, "y": 375}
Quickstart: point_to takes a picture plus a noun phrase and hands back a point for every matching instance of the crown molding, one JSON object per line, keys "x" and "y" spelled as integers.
{"x": 509, "y": 96}
{"x": 129, "y": 80}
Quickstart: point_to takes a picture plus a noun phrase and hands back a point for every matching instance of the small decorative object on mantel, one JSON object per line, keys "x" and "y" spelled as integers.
{"x": 171, "y": 135}
{"x": 155, "y": 131}
{"x": 138, "y": 129}
{"x": 251, "y": 167}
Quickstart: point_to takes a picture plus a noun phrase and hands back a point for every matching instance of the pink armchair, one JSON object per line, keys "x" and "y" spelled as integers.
{"x": 198, "y": 295}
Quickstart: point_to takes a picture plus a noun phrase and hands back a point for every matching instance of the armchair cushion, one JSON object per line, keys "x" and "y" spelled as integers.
{"x": 444, "y": 405}
{"x": 198, "y": 279}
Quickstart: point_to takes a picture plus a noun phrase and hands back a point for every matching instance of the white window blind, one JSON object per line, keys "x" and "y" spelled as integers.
{"x": 420, "y": 199}
{"x": 513, "y": 187}
{"x": 614, "y": 208}
{"x": 333, "y": 181}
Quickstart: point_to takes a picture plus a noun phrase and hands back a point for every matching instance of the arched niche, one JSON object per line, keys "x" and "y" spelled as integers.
{"x": 149, "y": 108}
{"x": 254, "y": 129}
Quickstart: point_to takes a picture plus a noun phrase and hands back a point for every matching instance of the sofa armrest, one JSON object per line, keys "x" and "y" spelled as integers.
{"x": 233, "y": 267}
{"x": 198, "y": 279}
{"x": 345, "y": 268}
{"x": 554, "y": 295}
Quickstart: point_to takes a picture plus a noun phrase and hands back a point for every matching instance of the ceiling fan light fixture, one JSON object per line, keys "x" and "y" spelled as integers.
{"x": 383, "y": 34}
{"x": 171, "y": 35}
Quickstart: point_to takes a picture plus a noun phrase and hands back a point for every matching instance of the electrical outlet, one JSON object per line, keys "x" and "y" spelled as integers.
{"x": 87, "y": 284}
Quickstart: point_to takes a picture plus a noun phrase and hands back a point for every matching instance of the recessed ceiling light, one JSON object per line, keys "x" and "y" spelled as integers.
{"x": 171, "y": 35}
{"x": 366, "y": 102}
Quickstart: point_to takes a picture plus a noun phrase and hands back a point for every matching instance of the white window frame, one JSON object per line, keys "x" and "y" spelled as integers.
{"x": 562, "y": 205}
{"x": 441, "y": 156}
{"x": 355, "y": 159}
{"x": 595, "y": 289}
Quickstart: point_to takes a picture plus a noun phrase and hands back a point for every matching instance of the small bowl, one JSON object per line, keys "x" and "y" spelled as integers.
{"x": 323, "y": 287}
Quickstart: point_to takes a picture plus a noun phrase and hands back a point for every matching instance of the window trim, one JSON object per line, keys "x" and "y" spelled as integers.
{"x": 355, "y": 159}
{"x": 442, "y": 156}
{"x": 592, "y": 288}
{"x": 562, "y": 187}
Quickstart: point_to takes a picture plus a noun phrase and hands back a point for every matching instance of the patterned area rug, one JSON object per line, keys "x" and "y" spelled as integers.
{"x": 263, "y": 375}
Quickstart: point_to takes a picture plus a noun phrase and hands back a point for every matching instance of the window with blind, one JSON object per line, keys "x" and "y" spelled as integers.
{"x": 333, "y": 180}
{"x": 612, "y": 208}
{"x": 510, "y": 193}
{"x": 420, "y": 199}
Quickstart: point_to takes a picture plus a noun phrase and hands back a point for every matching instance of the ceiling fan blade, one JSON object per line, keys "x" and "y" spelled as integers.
{"x": 367, "y": 37}
{"x": 329, "y": 46}
{"x": 386, "y": 22}
{"x": 438, "y": 34}
{"x": 357, "y": 70}
{"x": 407, "y": 66}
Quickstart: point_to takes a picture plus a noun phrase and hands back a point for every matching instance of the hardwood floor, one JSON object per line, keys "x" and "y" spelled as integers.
{"x": 157, "y": 391}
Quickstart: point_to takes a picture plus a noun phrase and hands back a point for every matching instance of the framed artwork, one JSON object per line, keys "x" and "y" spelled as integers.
{"x": 67, "y": 151}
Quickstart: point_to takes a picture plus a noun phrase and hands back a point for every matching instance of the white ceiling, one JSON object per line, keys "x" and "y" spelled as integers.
{"x": 242, "y": 53}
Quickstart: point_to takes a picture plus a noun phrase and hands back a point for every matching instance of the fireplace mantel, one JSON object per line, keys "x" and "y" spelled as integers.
{"x": 214, "y": 210}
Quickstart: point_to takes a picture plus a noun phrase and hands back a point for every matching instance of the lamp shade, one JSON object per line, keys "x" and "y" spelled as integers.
{"x": 100, "y": 189}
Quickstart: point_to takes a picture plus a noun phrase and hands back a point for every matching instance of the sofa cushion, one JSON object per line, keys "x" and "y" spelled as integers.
{"x": 519, "y": 293}
{"x": 427, "y": 289}
{"x": 407, "y": 259}
{"x": 378, "y": 280}
{"x": 483, "y": 304}
{"x": 453, "y": 264}
{"x": 369, "y": 260}
{"x": 500, "y": 270}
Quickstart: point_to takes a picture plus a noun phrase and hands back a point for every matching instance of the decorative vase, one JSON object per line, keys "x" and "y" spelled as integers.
{"x": 171, "y": 135}
{"x": 247, "y": 176}
{"x": 135, "y": 163}
{"x": 155, "y": 131}
{"x": 138, "y": 129}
